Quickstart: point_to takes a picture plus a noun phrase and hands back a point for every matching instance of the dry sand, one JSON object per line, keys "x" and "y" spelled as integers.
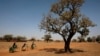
{"x": 51, "y": 49}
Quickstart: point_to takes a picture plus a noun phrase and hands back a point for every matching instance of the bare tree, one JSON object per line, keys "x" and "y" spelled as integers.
{"x": 65, "y": 19}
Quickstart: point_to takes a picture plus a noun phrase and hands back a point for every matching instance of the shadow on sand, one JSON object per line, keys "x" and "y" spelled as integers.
{"x": 60, "y": 51}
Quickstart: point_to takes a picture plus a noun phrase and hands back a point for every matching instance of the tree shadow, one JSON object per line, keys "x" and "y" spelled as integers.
{"x": 60, "y": 51}
{"x": 77, "y": 50}
{"x": 49, "y": 49}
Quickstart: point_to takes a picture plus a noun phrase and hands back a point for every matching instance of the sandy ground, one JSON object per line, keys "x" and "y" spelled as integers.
{"x": 51, "y": 49}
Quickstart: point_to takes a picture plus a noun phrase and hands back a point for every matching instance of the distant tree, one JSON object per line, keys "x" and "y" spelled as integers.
{"x": 14, "y": 39}
{"x": 47, "y": 37}
{"x": 89, "y": 39}
{"x": 65, "y": 19}
{"x": 21, "y": 39}
{"x": 98, "y": 39}
{"x": 57, "y": 40}
{"x": 74, "y": 40}
{"x": 93, "y": 39}
{"x": 81, "y": 39}
{"x": 32, "y": 39}
{"x": 1, "y": 38}
{"x": 8, "y": 37}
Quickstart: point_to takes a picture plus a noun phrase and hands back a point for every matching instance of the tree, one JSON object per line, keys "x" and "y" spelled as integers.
{"x": 74, "y": 40}
{"x": 89, "y": 39}
{"x": 33, "y": 39}
{"x": 47, "y": 37}
{"x": 1, "y": 38}
{"x": 65, "y": 19}
{"x": 20, "y": 38}
{"x": 8, "y": 37}
{"x": 81, "y": 39}
{"x": 98, "y": 39}
{"x": 58, "y": 40}
{"x": 93, "y": 38}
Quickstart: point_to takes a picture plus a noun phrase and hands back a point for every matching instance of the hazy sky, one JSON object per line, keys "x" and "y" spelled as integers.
{"x": 22, "y": 17}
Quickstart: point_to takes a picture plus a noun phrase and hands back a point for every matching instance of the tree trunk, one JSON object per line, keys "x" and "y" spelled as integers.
{"x": 67, "y": 43}
{"x": 65, "y": 47}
